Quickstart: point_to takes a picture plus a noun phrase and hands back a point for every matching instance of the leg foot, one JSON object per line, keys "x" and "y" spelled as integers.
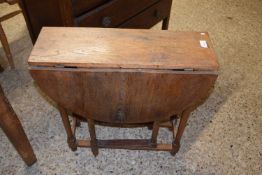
{"x": 72, "y": 143}
{"x": 175, "y": 148}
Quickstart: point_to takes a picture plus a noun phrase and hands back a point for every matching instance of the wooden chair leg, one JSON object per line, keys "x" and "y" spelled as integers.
{"x": 14, "y": 131}
{"x": 181, "y": 128}
{"x": 154, "y": 134}
{"x": 71, "y": 140}
{"x": 165, "y": 23}
{"x": 6, "y": 47}
{"x": 92, "y": 131}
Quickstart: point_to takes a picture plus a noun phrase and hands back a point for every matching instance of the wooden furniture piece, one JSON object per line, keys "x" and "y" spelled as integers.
{"x": 3, "y": 37}
{"x": 125, "y": 78}
{"x": 14, "y": 130}
{"x": 95, "y": 13}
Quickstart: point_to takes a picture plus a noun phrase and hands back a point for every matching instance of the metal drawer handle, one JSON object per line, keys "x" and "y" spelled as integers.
{"x": 106, "y": 21}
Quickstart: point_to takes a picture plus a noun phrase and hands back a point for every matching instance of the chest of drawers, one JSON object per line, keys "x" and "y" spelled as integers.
{"x": 124, "y": 77}
{"x": 95, "y": 13}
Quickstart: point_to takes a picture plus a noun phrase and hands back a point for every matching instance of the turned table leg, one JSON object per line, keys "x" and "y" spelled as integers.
{"x": 154, "y": 134}
{"x": 78, "y": 122}
{"x": 181, "y": 128}
{"x": 71, "y": 140}
{"x": 92, "y": 131}
{"x": 14, "y": 130}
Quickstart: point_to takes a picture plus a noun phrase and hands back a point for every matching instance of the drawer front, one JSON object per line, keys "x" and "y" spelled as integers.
{"x": 81, "y": 6}
{"x": 113, "y": 13}
{"x": 150, "y": 17}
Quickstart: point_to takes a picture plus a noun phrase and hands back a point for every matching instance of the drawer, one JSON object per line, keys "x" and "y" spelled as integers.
{"x": 82, "y": 6}
{"x": 149, "y": 17}
{"x": 113, "y": 13}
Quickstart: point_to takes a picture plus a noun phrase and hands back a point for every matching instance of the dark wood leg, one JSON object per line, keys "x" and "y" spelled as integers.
{"x": 6, "y": 47}
{"x": 14, "y": 130}
{"x": 181, "y": 128}
{"x": 92, "y": 131}
{"x": 1, "y": 69}
{"x": 165, "y": 23}
{"x": 71, "y": 140}
{"x": 154, "y": 134}
{"x": 78, "y": 122}
{"x": 150, "y": 126}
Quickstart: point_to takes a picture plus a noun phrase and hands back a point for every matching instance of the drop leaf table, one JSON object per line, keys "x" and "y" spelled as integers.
{"x": 124, "y": 78}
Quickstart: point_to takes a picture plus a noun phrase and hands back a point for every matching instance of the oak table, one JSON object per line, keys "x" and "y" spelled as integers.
{"x": 124, "y": 78}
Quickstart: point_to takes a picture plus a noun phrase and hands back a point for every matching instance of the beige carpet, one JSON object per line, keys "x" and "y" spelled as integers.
{"x": 223, "y": 135}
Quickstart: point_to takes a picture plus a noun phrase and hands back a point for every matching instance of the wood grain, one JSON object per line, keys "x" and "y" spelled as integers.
{"x": 122, "y": 48}
{"x": 124, "y": 96}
